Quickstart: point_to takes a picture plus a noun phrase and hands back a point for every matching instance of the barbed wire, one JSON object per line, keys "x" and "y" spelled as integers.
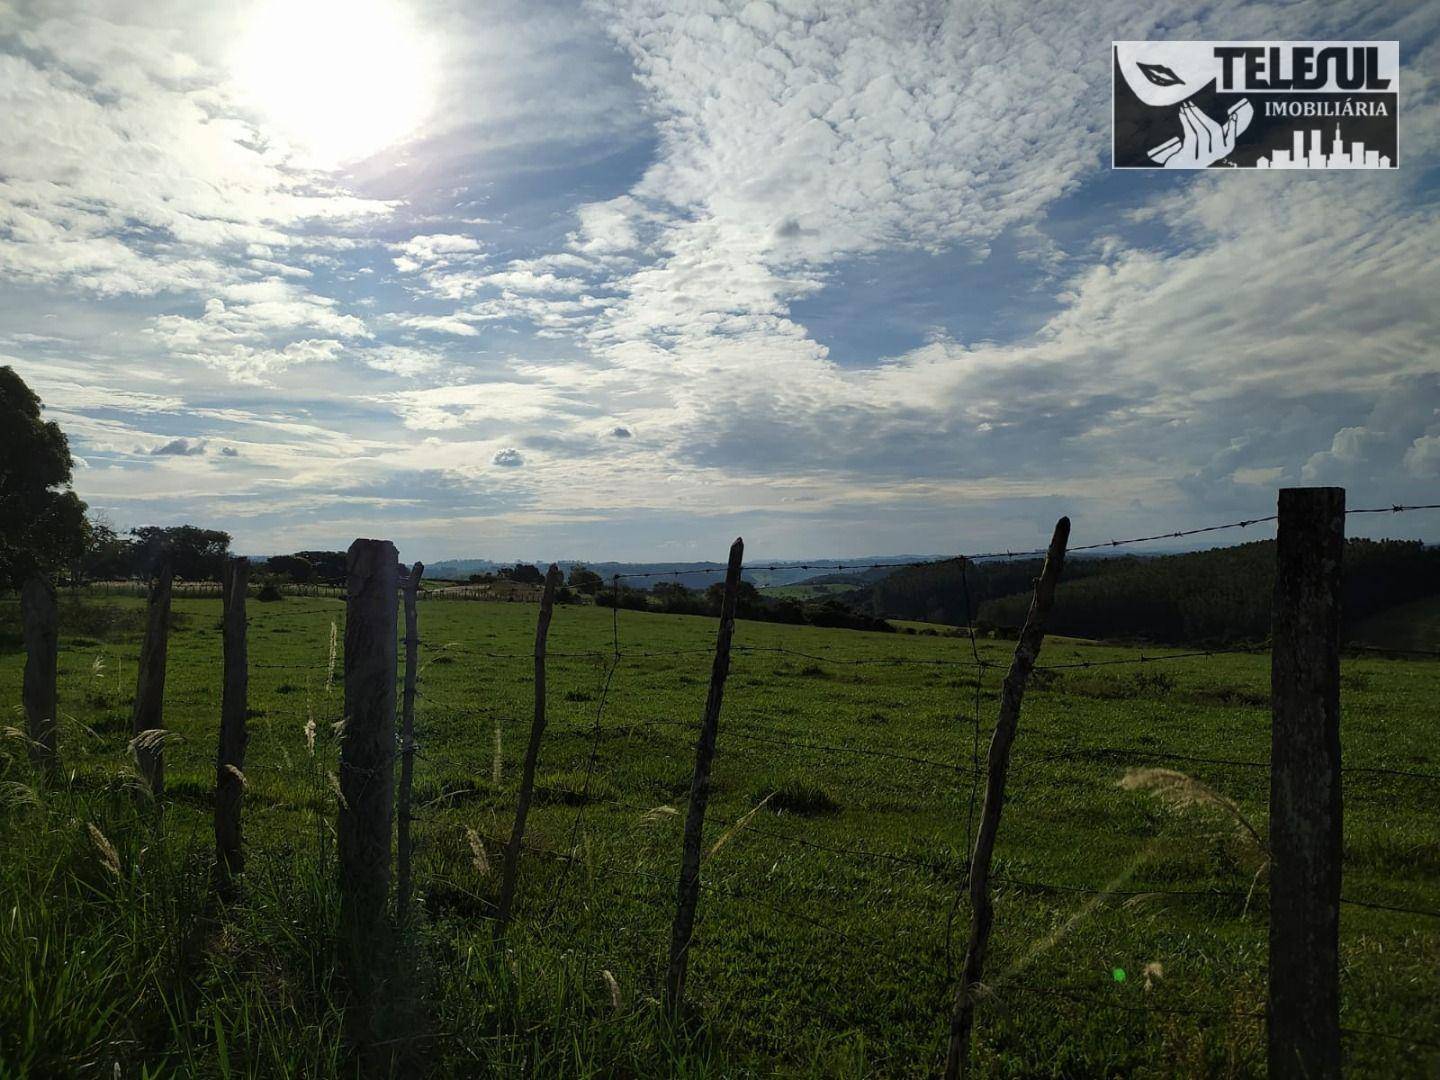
{"x": 1159, "y": 753}
{"x": 774, "y": 737}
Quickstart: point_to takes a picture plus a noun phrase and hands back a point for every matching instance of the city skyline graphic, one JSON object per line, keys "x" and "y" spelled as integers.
{"x": 1299, "y": 156}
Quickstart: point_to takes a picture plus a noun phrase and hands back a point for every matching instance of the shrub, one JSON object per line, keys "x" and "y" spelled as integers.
{"x": 796, "y": 795}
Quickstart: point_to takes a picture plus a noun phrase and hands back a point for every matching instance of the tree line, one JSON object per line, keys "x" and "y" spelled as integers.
{"x": 1215, "y": 597}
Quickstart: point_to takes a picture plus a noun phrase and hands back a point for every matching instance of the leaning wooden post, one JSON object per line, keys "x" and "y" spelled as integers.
{"x": 407, "y": 741}
{"x": 234, "y": 735}
{"x": 532, "y": 756}
{"x": 41, "y": 632}
{"x": 688, "y": 892}
{"x": 1305, "y": 810}
{"x": 148, "y": 714}
{"x": 982, "y": 915}
{"x": 367, "y": 739}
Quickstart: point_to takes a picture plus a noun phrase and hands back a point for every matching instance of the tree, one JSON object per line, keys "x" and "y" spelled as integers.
{"x": 42, "y": 526}
{"x": 584, "y": 580}
{"x": 329, "y": 565}
{"x": 295, "y": 567}
{"x": 525, "y": 574}
{"x": 108, "y": 555}
{"x": 195, "y": 554}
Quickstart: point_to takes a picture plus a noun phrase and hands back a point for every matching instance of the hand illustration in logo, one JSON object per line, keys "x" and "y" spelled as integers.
{"x": 1203, "y": 142}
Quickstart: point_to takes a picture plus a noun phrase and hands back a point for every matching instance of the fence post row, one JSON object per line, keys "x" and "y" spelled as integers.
{"x": 1305, "y": 800}
{"x": 688, "y": 891}
{"x": 982, "y": 915}
{"x": 407, "y": 740}
{"x": 148, "y": 714}
{"x": 41, "y": 633}
{"x": 234, "y": 708}
{"x": 532, "y": 756}
{"x": 367, "y": 739}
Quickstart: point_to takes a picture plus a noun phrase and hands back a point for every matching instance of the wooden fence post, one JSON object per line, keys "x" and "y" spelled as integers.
{"x": 688, "y": 891}
{"x": 234, "y": 734}
{"x": 982, "y": 915}
{"x": 41, "y": 633}
{"x": 148, "y": 714}
{"x": 532, "y": 756}
{"x": 1305, "y": 806}
{"x": 367, "y": 740}
{"x": 407, "y": 741}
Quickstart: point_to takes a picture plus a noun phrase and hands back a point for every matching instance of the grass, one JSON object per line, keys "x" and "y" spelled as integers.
{"x": 812, "y": 958}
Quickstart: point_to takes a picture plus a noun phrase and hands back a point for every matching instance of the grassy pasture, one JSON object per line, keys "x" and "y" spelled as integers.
{"x": 822, "y": 943}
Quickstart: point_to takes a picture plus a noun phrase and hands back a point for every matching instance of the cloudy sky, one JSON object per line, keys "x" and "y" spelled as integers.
{"x": 622, "y": 280}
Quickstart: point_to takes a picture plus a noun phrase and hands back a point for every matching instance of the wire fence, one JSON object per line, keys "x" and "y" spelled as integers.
{"x": 600, "y": 863}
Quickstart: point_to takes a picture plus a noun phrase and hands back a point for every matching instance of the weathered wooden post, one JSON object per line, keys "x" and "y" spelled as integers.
{"x": 38, "y": 691}
{"x": 148, "y": 714}
{"x": 234, "y": 710}
{"x": 404, "y": 884}
{"x": 1305, "y": 808}
{"x": 532, "y": 756}
{"x": 688, "y": 892}
{"x": 367, "y": 739}
{"x": 982, "y": 914}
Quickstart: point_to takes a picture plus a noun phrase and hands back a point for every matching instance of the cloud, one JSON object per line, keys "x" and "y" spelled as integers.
{"x": 1422, "y": 459}
{"x": 651, "y": 211}
{"x": 179, "y": 448}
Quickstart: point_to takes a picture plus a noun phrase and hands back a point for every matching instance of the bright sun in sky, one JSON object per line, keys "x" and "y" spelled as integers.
{"x": 339, "y": 79}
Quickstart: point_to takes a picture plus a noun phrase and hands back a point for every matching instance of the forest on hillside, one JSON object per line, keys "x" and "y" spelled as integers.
{"x": 1220, "y": 596}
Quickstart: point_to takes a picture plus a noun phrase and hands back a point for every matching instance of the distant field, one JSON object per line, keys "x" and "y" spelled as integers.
{"x": 822, "y": 942}
{"x": 805, "y": 592}
{"x": 1408, "y": 626}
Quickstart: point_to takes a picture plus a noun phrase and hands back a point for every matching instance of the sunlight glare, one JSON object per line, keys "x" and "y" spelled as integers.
{"x": 340, "y": 80}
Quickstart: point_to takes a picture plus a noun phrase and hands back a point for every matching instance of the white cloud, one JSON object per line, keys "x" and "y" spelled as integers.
{"x": 1203, "y": 346}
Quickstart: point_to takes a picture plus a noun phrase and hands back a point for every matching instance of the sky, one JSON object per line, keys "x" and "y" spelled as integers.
{"x": 626, "y": 280}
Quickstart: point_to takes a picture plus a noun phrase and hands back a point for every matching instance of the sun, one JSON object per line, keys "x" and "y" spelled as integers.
{"x": 340, "y": 80}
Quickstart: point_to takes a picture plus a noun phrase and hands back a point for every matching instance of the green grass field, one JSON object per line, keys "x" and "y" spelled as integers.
{"x": 822, "y": 946}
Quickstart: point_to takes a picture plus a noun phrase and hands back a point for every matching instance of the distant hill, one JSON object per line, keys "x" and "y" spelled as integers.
{"x": 693, "y": 575}
{"x": 1206, "y": 597}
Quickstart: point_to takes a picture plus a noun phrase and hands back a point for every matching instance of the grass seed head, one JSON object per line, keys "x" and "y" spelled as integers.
{"x": 109, "y": 857}
{"x": 477, "y": 852}
{"x": 614, "y": 988}
{"x": 1182, "y": 792}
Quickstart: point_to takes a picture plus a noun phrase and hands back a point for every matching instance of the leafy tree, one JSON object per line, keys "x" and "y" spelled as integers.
{"x": 196, "y": 554}
{"x": 525, "y": 574}
{"x": 748, "y": 601}
{"x": 584, "y": 580}
{"x": 108, "y": 555}
{"x": 297, "y": 568}
{"x": 42, "y": 526}
{"x": 329, "y": 565}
